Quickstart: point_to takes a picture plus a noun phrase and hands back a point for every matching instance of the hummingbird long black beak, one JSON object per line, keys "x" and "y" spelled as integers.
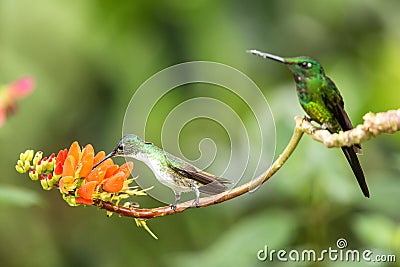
{"x": 110, "y": 155}
{"x": 266, "y": 55}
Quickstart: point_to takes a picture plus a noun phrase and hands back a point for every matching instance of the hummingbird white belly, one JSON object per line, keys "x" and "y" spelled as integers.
{"x": 166, "y": 177}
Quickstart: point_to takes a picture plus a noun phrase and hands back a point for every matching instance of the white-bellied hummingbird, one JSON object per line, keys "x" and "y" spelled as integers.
{"x": 171, "y": 171}
{"x": 321, "y": 100}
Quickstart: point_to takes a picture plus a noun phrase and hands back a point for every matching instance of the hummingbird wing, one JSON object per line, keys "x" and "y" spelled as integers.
{"x": 211, "y": 184}
{"x": 334, "y": 102}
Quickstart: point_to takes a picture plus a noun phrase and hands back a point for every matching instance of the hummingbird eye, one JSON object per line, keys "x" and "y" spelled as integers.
{"x": 306, "y": 65}
{"x": 121, "y": 147}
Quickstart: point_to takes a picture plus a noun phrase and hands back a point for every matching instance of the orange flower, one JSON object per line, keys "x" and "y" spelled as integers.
{"x": 86, "y": 162}
{"x": 111, "y": 170}
{"x": 81, "y": 200}
{"x": 74, "y": 161}
{"x": 114, "y": 183}
{"x": 60, "y": 159}
{"x": 97, "y": 174}
{"x": 74, "y": 150}
{"x": 69, "y": 166}
{"x": 67, "y": 184}
{"x": 126, "y": 168}
{"x": 99, "y": 156}
{"x": 86, "y": 192}
{"x": 75, "y": 168}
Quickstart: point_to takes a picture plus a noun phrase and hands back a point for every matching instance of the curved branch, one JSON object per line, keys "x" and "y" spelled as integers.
{"x": 210, "y": 200}
{"x": 374, "y": 125}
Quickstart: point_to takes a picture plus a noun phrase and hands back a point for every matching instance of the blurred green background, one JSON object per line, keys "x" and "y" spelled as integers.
{"x": 88, "y": 58}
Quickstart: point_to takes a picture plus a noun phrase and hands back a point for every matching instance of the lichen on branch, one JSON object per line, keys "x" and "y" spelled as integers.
{"x": 374, "y": 125}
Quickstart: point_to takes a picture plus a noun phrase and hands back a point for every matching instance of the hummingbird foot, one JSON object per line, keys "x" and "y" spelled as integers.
{"x": 177, "y": 198}
{"x": 324, "y": 126}
{"x": 197, "y": 192}
{"x": 196, "y": 203}
{"x": 306, "y": 118}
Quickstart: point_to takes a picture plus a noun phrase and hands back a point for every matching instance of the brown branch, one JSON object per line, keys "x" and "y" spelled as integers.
{"x": 374, "y": 125}
{"x": 210, "y": 200}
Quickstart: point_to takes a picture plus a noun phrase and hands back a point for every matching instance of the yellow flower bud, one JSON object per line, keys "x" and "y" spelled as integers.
{"x": 142, "y": 223}
{"x": 71, "y": 200}
{"x": 50, "y": 165}
{"x": 24, "y": 156}
{"x": 109, "y": 213}
{"x": 20, "y": 169}
{"x": 43, "y": 182}
{"x": 29, "y": 154}
{"x": 50, "y": 180}
{"x": 44, "y": 165}
{"x": 38, "y": 157}
{"x": 39, "y": 168}
{"x": 56, "y": 178}
{"x": 27, "y": 165}
{"x": 33, "y": 175}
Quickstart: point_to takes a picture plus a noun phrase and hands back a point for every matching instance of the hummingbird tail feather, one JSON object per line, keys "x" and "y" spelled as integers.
{"x": 351, "y": 156}
{"x": 213, "y": 188}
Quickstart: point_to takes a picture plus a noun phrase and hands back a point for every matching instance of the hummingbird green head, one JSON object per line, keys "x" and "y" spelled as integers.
{"x": 129, "y": 146}
{"x": 303, "y": 68}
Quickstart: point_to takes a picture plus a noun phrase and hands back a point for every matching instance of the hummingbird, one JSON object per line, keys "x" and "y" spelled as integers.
{"x": 321, "y": 100}
{"x": 170, "y": 170}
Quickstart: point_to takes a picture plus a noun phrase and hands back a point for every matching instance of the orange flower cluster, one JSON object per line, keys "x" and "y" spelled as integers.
{"x": 71, "y": 171}
{"x": 75, "y": 168}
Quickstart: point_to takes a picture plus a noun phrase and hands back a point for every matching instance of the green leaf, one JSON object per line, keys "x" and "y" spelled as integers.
{"x": 16, "y": 196}
{"x": 239, "y": 245}
{"x": 375, "y": 230}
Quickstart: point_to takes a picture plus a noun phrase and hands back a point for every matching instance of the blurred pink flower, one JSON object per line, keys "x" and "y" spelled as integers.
{"x": 9, "y": 94}
{"x": 22, "y": 87}
{"x": 2, "y": 115}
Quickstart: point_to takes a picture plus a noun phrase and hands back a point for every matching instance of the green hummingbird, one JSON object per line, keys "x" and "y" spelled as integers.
{"x": 321, "y": 100}
{"x": 171, "y": 171}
